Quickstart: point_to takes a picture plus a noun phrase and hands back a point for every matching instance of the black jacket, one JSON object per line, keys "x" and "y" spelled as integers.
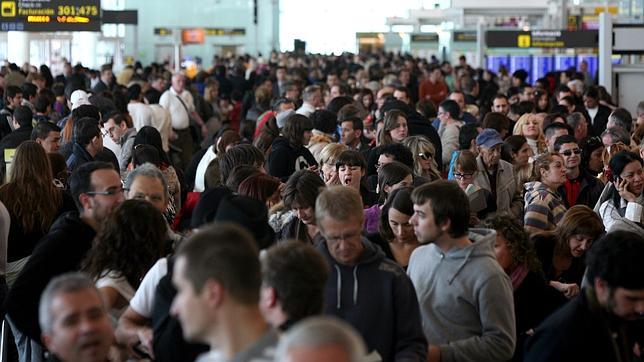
{"x": 59, "y": 252}
{"x": 600, "y": 121}
{"x": 591, "y": 189}
{"x": 13, "y": 140}
{"x": 78, "y": 157}
{"x": 285, "y": 159}
{"x": 582, "y": 331}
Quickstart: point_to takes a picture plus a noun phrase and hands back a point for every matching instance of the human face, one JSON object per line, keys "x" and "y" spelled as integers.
{"x": 627, "y": 304}
{"x": 401, "y": 96}
{"x": 384, "y": 159}
{"x": 101, "y": 206}
{"x": 503, "y": 253}
{"x": 328, "y": 172}
{"x": 347, "y": 133}
{"x": 51, "y": 144}
{"x": 590, "y": 102}
{"x": 633, "y": 174}
{"x": 335, "y": 91}
{"x": 115, "y": 131}
{"x": 555, "y": 175}
{"x": 530, "y": 128}
{"x": 81, "y": 329}
{"x": 425, "y": 159}
{"x": 463, "y": 179}
{"x": 305, "y": 214}
{"x": 528, "y": 94}
{"x": 579, "y": 244}
{"x": 189, "y": 306}
{"x": 459, "y": 99}
{"x": 569, "y": 107}
{"x": 306, "y": 137}
{"x": 178, "y": 83}
{"x": 442, "y": 115}
{"x": 406, "y": 182}
{"x": 16, "y": 101}
{"x": 522, "y": 157}
{"x": 149, "y": 189}
{"x": 425, "y": 227}
{"x": 571, "y": 154}
{"x": 490, "y": 156}
{"x": 399, "y": 223}
{"x": 323, "y": 353}
{"x": 501, "y": 105}
{"x": 400, "y": 132}
{"x": 595, "y": 162}
{"x": 350, "y": 176}
{"x": 543, "y": 101}
{"x": 343, "y": 239}
{"x": 367, "y": 101}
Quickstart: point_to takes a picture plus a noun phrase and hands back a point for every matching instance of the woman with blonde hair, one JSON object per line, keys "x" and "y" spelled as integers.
{"x": 327, "y": 158}
{"x": 423, "y": 151}
{"x": 528, "y": 126}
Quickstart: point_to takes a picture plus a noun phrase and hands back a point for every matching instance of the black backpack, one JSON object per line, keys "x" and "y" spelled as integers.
{"x": 168, "y": 343}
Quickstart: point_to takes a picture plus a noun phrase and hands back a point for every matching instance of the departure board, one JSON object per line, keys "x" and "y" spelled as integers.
{"x": 50, "y": 15}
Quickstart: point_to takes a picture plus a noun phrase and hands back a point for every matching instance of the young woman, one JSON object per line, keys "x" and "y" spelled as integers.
{"x": 423, "y": 151}
{"x": 395, "y": 234}
{"x": 299, "y": 195}
{"x": 529, "y": 127}
{"x": 622, "y": 200}
{"x": 391, "y": 176}
{"x": 131, "y": 241}
{"x": 543, "y": 206}
{"x": 351, "y": 167}
{"x": 517, "y": 151}
{"x": 591, "y": 156}
{"x": 465, "y": 170}
{"x": 542, "y": 102}
{"x": 394, "y": 128}
{"x": 562, "y": 252}
{"x": 288, "y": 152}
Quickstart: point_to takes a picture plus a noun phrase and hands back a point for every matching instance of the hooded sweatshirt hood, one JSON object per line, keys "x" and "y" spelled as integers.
{"x": 482, "y": 246}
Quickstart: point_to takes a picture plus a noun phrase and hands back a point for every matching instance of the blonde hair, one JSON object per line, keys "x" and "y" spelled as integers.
{"x": 518, "y": 131}
{"x": 329, "y": 154}
{"x": 416, "y": 145}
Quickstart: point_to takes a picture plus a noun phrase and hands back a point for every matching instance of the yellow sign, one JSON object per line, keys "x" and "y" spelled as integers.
{"x": 611, "y": 9}
{"x": 523, "y": 41}
{"x": 8, "y": 8}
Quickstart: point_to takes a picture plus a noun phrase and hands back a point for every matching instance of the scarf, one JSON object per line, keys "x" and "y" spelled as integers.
{"x": 518, "y": 274}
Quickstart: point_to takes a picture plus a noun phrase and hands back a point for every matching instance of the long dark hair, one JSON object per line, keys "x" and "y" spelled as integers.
{"x": 400, "y": 200}
{"x": 130, "y": 242}
{"x": 150, "y": 136}
{"x": 617, "y": 163}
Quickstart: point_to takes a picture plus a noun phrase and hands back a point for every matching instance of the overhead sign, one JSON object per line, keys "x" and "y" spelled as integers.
{"x": 465, "y": 36}
{"x": 50, "y": 15}
{"x": 542, "y": 39}
{"x": 162, "y": 31}
{"x": 424, "y": 38}
{"x": 193, "y": 36}
{"x": 225, "y": 31}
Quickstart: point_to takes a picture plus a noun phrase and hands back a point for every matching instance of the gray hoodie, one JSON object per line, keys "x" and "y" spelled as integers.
{"x": 465, "y": 300}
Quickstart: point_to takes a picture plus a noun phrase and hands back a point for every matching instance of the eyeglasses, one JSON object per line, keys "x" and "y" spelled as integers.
{"x": 425, "y": 155}
{"x": 463, "y": 176}
{"x": 109, "y": 192}
{"x": 569, "y": 153}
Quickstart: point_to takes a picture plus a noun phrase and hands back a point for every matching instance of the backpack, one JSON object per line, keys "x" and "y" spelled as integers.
{"x": 167, "y": 342}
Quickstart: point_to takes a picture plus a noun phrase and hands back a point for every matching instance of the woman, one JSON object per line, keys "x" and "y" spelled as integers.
{"x": 225, "y": 140}
{"x": 465, "y": 171}
{"x": 607, "y": 155}
{"x": 591, "y": 156}
{"x": 528, "y": 126}
{"x": 423, "y": 151}
{"x": 543, "y": 205}
{"x": 533, "y": 299}
{"x": 327, "y": 159}
{"x": 288, "y": 153}
{"x": 562, "y": 252}
{"x": 394, "y": 128}
{"x": 261, "y": 187}
{"x": 33, "y": 202}
{"x": 299, "y": 195}
{"x": 449, "y": 129}
{"x": 391, "y": 176}
{"x": 124, "y": 251}
{"x": 395, "y": 234}
{"x": 542, "y": 102}
{"x": 517, "y": 152}
{"x": 622, "y": 200}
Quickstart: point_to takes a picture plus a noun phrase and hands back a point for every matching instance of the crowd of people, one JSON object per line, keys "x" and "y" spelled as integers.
{"x": 370, "y": 207}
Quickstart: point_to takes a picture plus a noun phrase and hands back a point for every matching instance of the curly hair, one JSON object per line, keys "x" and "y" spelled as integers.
{"x": 130, "y": 242}
{"x": 518, "y": 241}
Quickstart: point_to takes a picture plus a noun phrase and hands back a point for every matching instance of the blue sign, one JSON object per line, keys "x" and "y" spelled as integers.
{"x": 563, "y": 62}
{"x": 494, "y": 62}
{"x": 521, "y": 62}
{"x": 541, "y": 65}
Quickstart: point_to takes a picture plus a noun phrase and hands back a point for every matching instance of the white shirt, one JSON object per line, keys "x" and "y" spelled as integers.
{"x": 592, "y": 112}
{"x": 121, "y": 285}
{"x": 141, "y": 115}
{"x": 180, "y": 118}
{"x": 200, "y": 182}
{"x": 143, "y": 299}
{"x": 306, "y": 110}
{"x": 162, "y": 121}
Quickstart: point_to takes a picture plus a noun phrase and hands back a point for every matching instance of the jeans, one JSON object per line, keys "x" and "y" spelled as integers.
{"x": 29, "y": 350}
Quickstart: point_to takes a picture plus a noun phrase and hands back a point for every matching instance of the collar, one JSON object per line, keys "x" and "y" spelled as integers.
{"x": 640, "y": 200}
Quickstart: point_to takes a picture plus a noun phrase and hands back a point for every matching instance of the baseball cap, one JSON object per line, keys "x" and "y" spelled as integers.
{"x": 489, "y": 138}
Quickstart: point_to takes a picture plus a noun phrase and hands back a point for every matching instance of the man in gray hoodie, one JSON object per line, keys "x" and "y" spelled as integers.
{"x": 465, "y": 297}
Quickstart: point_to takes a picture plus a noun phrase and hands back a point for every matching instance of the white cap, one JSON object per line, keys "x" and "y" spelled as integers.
{"x": 79, "y": 98}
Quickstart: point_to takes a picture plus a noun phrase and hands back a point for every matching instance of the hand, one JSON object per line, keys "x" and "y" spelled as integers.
{"x": 145, "y": 337}
{"x": 433, "y": 354}
{"x": 622, "y": 188}
{"x": 569, "y": 290}
{"x": 313, "y": 168}
{"x": 333, "y": 180}
{"x": 173, "y": 136}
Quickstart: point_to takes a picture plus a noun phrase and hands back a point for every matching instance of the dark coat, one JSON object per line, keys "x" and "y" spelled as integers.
{"x": 591, "y": 189}
{"x": 285, "y": 159}
{"x": 600, "y": 121}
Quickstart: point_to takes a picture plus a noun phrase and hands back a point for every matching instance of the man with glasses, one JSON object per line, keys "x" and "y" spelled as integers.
{"x": 580, "y": 188}
{"x": 123, "y": 135}
{"x": 362, "y": 275}
{"x": 96, "y": 188}
{"x": 496, "y": 176}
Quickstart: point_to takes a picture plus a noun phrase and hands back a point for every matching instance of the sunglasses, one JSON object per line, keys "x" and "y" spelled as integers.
{"x": 569, "y": 153}
{"x": 425, "y": 155}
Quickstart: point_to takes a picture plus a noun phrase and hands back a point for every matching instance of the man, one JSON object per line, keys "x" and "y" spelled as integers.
{"x": 293, "y": 279}
{"x": 361, "y": 274}
{"x": 280, "y": 80}
{"x": 597, "y": 113}
{"x": 118, "y": 130}
{"x": 459, "y": 98}
{"x": 500, "y": 104}
{"x": 568, "y": 102}
{"x": 620, "y": 118}
{"x": 403, "y": 94}
{"x": 603, "y": 321}
{"x": 22, "y": 118}
{"x": 140, "y": 112}
{"x": 433, "y": 88}
{"x": 146, "y": 182}
{"x": 105, "y": 82}
{"x": 73, "y": 319}
{"x": 640, "y": 113}
{"x": 321, "y": 339}
{"x": 312, "y": 100}
{"x": 527, "y": 93}
{"x": 351, "y": 134}
{"x": 577, "y": 121}
{"x": 47, "y": 135}
{"x": 554, "y": 131}
{"x": 218, "y": 293}
{"x": 88, "y": 142}
{"x": 464, "y": 295}
{"x": 581, "y": 187}
{"x": 496, "y": 176}
{"x": 161, "y": 119}
{"x": 96, "y": 189}
{"x": 12, "y": 100}
{"x": 178, "y": 101}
